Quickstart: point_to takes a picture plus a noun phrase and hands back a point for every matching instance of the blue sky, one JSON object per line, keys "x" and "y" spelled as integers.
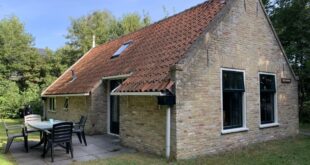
{"x": 48, "y": 20}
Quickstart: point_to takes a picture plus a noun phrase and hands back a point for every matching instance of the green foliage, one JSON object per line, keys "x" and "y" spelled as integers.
{"x": 23, "y": 71}
{"x": 10, "y": 98}
{"x": 99, "y": 23}
{"x": 291, "y": 19}
{"x": 104, "y": 26}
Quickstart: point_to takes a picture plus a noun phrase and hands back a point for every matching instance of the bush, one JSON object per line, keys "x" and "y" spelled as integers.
{"x": 12, "y": 100}
{"x": 305, "y": 114}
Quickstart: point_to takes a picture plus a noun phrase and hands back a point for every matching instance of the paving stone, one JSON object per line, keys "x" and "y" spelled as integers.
{"x": 101, "y": 146}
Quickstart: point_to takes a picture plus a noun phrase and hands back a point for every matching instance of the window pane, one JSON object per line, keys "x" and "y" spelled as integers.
{"x": 66, "y": 104}
{"x": 233, "y": 80}
{"x": 232, "y": 109}
{"x": 267, "y": 83}
{"x": 267, "y": 107}
{"x": 52, "y": 104}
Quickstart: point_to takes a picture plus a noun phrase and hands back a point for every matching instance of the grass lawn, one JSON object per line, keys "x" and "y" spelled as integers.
{"x": 6, "y": 159}
{"x": 287, "y": 151}
{"x": 282, "y": 152}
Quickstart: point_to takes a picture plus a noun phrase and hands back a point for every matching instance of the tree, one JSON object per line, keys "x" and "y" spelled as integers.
{"x": 291, "y": 19}
{"x": 104, "y": 26}
{"x": 23, "y": 70}
{"x": 98, "y": 23}
{"x": 132, "y": 22}
{"x": 18, "y": 59}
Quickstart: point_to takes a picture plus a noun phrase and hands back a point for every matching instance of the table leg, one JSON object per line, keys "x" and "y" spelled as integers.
{"x": 40, "y": 142}
{"x": 45, "y": 142}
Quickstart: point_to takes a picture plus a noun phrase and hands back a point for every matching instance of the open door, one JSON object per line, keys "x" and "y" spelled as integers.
{"x": 114, "y": 108}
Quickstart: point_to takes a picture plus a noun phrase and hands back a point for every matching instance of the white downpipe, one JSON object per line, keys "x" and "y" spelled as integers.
{"x": 168, "y": 132}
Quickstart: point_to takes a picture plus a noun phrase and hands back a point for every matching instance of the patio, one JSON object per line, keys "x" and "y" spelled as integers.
{"x": 99, "y": 147}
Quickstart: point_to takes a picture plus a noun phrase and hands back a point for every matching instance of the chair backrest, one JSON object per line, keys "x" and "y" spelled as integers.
{"x": 13, "y": 127}
{"x": 82, "y": 122}
{"x": 62, "y": 132}
{"x": 5, "y": 127}
{"x": 32, "y": 118}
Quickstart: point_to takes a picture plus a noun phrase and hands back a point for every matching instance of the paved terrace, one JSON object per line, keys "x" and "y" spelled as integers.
{"x": 99, "y": 147}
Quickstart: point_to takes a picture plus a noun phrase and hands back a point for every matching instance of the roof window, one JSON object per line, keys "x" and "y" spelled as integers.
{"x": 122, "y": 49}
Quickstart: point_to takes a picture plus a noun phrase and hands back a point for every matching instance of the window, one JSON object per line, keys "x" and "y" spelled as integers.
{"x": 52, "y": 104}
{"x": 66, "y": 104}
{"x": 233, "y": 100}
{"x": 267, "y": 98}
{"x": 121, "y": 49}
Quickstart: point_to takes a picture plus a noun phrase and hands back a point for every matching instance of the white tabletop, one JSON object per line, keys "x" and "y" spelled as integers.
{"x": 43, "y": 125}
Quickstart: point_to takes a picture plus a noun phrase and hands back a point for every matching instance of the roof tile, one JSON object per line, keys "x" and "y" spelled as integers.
{"x": 149, "y": 58}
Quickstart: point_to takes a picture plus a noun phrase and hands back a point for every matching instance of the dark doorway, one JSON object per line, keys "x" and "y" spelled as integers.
{"x": 114, "y": 108}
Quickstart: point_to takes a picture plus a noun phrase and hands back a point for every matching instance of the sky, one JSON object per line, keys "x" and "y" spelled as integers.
{"x": 48, "y": 20}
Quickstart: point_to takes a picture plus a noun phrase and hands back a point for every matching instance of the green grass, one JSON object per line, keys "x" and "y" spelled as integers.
{"x": 304, "y": 127}
{"x": 7, "y": 159}
{"x": 287, "y": 151}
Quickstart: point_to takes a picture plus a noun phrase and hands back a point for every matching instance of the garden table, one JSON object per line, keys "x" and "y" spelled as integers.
{"x": 45, "y": 127}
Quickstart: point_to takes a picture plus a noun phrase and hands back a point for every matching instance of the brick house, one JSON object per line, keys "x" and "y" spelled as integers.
{"x": 206, "y": 80}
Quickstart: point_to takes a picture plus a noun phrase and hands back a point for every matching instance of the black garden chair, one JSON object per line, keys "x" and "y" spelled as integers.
{"x": 79, "y": 129}
{"x": 61, "y": 134}
{"x": 11, "y": 136}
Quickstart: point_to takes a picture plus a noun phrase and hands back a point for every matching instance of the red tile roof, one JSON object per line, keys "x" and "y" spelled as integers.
{"x": 149, "y": 58}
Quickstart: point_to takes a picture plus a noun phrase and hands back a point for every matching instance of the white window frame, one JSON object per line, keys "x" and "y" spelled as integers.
{"x": 275, "y": 123}
{"x": 49, "y": 102}
{"x": 244, "y": 104}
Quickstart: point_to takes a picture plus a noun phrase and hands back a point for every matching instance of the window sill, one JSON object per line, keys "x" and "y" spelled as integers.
{"x": 51, "y": 111}
{"x": 235, "y": 130}
{"x": 268, "y": 125}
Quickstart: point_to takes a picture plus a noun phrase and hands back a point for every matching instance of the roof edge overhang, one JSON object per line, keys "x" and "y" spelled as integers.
{"x": 67, "y": 95}
{"x": 138, "y": 94}
{"x": 115, "y": 93}
{"x": 70, "y": 68}
{"x": 116, "y": 77}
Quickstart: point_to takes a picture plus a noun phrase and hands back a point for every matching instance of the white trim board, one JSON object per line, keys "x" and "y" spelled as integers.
{"x": 116, "y": 77}
{"x": 138, "y": 93}
{"x": 67, "y": 95}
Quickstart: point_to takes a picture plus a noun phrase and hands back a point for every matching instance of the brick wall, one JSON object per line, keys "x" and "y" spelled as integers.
{"x": 98, "y": 112}
{"x": 242, "y": 40}
{"x": 77, "y": 106}
{"x": 143, "y": 124}
{"x": 94, "y": 107}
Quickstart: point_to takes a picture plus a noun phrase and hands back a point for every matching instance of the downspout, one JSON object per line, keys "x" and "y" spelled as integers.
{"x": 168, "y": 128}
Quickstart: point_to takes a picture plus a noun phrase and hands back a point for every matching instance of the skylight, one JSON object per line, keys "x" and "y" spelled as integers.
{"x": 121, "y": 49}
